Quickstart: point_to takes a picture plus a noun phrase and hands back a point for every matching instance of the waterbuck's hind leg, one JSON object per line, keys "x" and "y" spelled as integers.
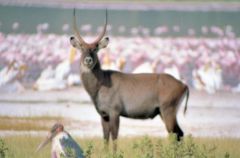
{"x": 106, "y": 131}
{"x": 178, "y": 131}
{"x": 169, "y": 118}
{"x": 114, "y": 128}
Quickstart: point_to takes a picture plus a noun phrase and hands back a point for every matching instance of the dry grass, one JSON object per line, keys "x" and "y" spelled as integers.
{"x": 28, "y": 123}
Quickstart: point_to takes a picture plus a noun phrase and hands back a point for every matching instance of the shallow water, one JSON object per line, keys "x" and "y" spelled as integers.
{"x": 207, "y": 122}
{"x": 29, "y": 17}
{"x": 82, "y": 112}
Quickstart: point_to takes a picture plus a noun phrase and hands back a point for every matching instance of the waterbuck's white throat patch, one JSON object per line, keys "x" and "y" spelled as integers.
{"x": 84, "y": 68}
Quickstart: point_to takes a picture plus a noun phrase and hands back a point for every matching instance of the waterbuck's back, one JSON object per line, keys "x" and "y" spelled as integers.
{"x": 141, "y": 95}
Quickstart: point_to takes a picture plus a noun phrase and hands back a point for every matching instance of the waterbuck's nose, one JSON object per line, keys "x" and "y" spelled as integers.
{"x": 88, "y": 60}
{"x": 71, "y": 38}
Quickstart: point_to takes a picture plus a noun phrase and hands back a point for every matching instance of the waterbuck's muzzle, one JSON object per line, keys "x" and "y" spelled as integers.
{"x": 88, "y": 61}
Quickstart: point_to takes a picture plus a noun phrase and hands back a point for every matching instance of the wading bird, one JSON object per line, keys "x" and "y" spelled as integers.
{"x": 63, "y": 145}
{"x": 10, "y": 76}
{"x": 57, "y": 79}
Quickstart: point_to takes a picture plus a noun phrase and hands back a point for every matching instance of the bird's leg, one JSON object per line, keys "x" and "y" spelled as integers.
{"x": 106, "y": 132}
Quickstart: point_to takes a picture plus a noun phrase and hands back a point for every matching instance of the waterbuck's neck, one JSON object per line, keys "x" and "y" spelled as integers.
{"x": 92, "y": 79}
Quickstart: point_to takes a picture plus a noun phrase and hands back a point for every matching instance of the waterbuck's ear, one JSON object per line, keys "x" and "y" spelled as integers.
{"x": 75, "y": 43}
{"x": 103, "y": 43}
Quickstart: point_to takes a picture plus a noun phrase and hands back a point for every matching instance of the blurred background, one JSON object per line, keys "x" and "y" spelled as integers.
{"x": 197, "y": 42}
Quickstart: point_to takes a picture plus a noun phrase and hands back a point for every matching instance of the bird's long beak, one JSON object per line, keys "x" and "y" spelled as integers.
{"x": 10, "y": 66}
{"x": 23, "y": 67}
{"x": 72, "y": 54}
{"x": 45, "y": 142}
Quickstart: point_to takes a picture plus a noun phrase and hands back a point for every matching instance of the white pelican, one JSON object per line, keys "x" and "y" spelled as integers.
{"x": 236, "y": 89}
{"x": 10, "y": 75}
{"x": 146, "y": 67}
{"x": 57, "y": 79}
{"x": 108, "y": 64}
{"x": 63, "y": 69}
{"x": 208, "y": 78}
{"x": 173, "y": 70}
{"x": 63, "y": 145}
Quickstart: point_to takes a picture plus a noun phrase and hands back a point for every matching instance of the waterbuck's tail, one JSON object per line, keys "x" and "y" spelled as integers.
{"x": 187, "y": 96}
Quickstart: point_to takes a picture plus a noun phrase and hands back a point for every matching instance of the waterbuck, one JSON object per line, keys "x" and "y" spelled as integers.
{"x": 115, "y": 94}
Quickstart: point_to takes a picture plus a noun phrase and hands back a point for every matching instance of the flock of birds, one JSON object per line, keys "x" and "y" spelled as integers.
{"x": 197, "y": 61}
{"x": 87, "y": 29}
{"x": 207, "y": 77}
{"x": 58, "y": 78}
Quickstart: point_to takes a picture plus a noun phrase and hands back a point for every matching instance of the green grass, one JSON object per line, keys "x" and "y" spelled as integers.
{"x": 134, "y": 147}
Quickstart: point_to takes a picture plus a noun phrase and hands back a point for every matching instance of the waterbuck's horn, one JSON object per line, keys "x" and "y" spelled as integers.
{"x": 75, "y": 29}
{"x": 104, "y": 29}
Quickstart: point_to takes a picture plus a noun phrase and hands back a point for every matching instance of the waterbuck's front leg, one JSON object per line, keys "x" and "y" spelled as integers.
{"x": 106, "y": 131}
{"x": 114, "y": 128}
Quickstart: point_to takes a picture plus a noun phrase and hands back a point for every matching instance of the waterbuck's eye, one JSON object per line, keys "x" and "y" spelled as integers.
{"x": 93, "y": 50}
